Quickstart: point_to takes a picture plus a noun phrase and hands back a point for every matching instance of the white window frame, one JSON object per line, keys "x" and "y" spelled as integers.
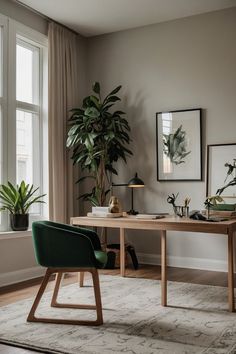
{"x": 14, "y": 31}
{"x": 4, "y": 111}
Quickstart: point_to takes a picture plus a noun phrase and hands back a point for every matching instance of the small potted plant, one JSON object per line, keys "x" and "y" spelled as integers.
{"x": 179, "y": 210}
{"x": 211, "y": 202}
{"x": 17, "y": 200}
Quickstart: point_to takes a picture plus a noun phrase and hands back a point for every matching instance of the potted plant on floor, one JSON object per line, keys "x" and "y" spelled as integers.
{"x": 99, "y": 138}
{"x": 17, "y": 200}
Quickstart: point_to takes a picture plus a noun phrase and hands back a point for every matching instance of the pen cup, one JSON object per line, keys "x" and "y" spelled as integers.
{"x": 181, "y": 211}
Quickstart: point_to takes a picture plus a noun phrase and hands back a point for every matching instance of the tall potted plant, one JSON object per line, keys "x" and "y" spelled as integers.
{"x": 98, "y": 138}
{"x": 17, "y": 200}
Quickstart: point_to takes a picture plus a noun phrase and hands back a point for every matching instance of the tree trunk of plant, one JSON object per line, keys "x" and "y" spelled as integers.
{"x": 101, "y": 183}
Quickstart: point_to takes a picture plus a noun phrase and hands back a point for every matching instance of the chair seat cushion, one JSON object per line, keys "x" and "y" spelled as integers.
{"x": 101, "y": 257}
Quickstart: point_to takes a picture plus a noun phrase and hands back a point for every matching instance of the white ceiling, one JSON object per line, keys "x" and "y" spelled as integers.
{"x": 95, "y": 17}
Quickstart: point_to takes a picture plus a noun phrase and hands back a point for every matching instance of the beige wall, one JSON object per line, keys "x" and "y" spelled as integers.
{"x": 179, "y": 64}
{"x": 16, "y": 254}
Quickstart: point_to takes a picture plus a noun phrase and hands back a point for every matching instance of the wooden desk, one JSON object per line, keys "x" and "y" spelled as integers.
{"x": 227, "y": 228}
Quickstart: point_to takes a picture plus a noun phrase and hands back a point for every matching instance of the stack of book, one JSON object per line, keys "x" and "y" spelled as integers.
{"x": 103, "y": 212}
{"x": 222, "y": 214}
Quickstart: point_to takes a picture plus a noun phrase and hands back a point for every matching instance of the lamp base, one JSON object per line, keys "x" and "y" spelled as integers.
{"x": 132, "y": 212}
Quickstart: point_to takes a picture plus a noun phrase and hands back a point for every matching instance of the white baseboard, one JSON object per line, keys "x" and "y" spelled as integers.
{"x": 20, "y": 275}
{"x": 184, "y": 262}
{"x": 144, "y": 258}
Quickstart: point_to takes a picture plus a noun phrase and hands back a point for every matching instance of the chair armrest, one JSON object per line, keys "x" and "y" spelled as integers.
{"x": 57, "y": 247}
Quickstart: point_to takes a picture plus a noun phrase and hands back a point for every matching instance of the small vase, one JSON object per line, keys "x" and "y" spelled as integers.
{"x": 114, "y": 205}
{"x": 19, "y": 222}
{"x": 181, "y": 211}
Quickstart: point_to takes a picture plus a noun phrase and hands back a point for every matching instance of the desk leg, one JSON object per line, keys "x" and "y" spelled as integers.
{"x": 163, "y": 269}
{"x": 122, "y": 252}
{"x": 231, "y": 271}
{"x": 81, "y": 279}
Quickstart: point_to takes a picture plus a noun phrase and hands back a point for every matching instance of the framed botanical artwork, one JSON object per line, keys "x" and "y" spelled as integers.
{"x": 221, "y": 170}
{"x": 179, "y": 150}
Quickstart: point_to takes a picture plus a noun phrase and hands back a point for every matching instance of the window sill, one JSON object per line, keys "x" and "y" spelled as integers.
{"x": 7, "y": 235}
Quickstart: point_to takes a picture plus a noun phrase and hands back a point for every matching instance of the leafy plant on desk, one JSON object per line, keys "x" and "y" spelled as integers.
{"x": 212, "y": 201}
{"x": 98, "y": 138}
{"x": 172, "y": 198}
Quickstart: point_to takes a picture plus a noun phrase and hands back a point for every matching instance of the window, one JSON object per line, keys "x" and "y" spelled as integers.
{"x": 3, "y": 90}
{"x": 23, "y": 110}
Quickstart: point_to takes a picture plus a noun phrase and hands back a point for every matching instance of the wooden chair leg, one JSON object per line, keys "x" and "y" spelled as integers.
{"x": 98, "y": 307}
{"x": 97, "y": 294}
{"x": 81, "y": 279}
{"x": 31, "y": 317}
{"x": 58, "y": 279}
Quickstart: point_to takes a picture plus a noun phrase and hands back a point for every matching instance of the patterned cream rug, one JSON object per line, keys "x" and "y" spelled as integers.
{"x": 196, "y": 321}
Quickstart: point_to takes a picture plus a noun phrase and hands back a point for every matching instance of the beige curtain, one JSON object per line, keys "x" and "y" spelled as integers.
{"x": 63, "y": 93}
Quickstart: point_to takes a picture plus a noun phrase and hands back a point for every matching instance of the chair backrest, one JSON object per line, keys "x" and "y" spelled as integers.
{"x": 92, "y": 235}
{"x": 60, "y": 245}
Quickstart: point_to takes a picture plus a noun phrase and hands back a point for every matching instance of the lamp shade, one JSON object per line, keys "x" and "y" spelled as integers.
{"x": 135, "y": 182}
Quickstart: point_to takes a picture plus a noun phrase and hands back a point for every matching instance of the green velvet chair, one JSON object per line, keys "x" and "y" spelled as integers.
{"x": 62, "y": 249}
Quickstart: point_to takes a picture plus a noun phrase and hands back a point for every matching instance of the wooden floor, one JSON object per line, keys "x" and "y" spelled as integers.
{"x": 28, "y": 289}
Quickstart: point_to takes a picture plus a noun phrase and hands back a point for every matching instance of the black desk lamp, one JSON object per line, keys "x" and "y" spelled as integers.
{"x": 134, "y": 182}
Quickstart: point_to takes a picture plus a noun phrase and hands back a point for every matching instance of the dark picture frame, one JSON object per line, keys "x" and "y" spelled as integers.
{"x": 179, "y": 145}
{"x": 217, "y": 156}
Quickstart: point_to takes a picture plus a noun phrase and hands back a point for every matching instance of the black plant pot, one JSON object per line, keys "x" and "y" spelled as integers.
{"x": 19, "y": 222}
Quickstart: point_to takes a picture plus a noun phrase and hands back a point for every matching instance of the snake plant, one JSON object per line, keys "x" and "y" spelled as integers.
{"x": 18, "y": 199}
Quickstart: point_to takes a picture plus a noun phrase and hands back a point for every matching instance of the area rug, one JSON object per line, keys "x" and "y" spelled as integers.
{"x": 196, "y": 320}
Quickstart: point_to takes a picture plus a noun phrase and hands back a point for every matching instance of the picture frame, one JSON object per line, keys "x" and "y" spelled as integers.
{"x": 179, "y": 145}
{"x": 217, "y": 156}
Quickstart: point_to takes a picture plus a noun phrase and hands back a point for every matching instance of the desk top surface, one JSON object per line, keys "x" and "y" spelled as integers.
{"x": 167, "y": 223}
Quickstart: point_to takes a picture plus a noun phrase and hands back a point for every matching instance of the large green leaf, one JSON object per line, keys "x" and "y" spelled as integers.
{"x": 7, "y": 191}
{"x": 95, "y": 100}
{"x": 91, "y": 112}
{"x": 96, "y": 87}
{"x": 111, "y": 99}
{"x": 113, "y": 92}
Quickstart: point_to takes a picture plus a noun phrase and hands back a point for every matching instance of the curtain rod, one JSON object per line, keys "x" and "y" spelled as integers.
{"x": 45, "y": 17}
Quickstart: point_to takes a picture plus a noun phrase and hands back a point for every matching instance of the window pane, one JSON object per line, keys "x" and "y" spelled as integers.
{"x": 27, "y": 151}
{"x": 27, "y": 72}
